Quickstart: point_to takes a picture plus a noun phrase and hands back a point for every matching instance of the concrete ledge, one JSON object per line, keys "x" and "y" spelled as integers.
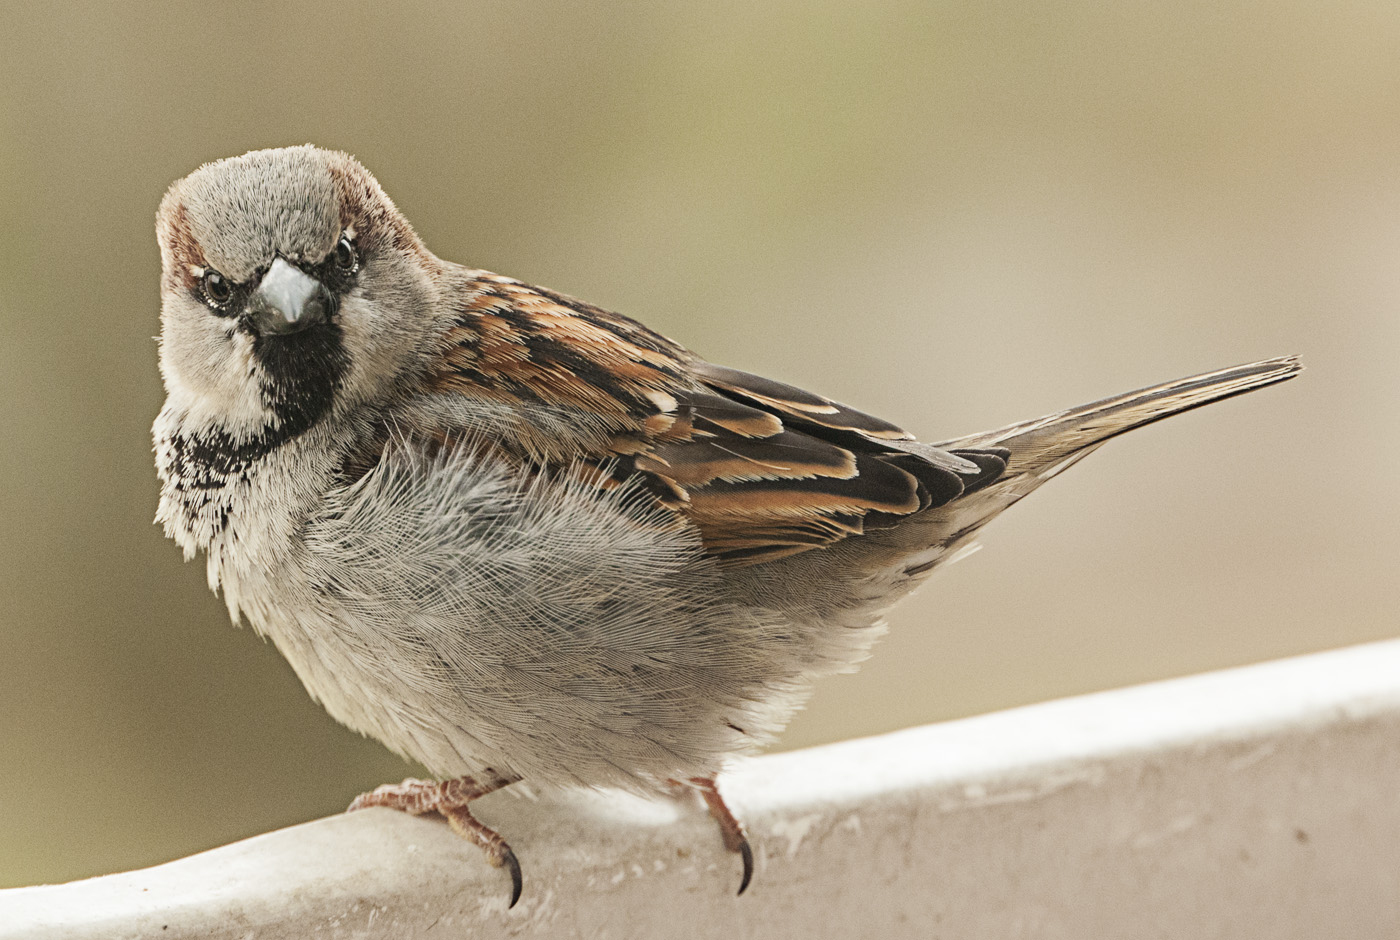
{"x": 1256, "y": 802}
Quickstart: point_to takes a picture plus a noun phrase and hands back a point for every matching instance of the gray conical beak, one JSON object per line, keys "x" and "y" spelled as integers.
{"x": 287, "y": 300}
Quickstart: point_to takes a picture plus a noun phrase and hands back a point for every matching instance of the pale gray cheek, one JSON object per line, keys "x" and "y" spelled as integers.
{"x": 390, "y": 326}
{"x": 208, "y": 364}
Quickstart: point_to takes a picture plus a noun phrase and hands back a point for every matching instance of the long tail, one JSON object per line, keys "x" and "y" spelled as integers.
{"x": 1041, "y": 448}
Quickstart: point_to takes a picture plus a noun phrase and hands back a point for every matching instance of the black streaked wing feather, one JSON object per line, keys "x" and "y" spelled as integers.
{"x": 761, "y": 468}
{"x": 796, "y": 404}
{"x": 761, "y": 481}
{"x": 823, "y": 416}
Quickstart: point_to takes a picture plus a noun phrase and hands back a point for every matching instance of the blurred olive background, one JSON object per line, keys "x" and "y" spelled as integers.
{"x": 952, "y": 214}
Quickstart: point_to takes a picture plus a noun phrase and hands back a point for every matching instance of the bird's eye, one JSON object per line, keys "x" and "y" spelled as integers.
{"x": 345, "y": 254}
{"x": 217, "y": 289}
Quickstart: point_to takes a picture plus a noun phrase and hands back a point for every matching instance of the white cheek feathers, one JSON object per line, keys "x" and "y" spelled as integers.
{"x": 209, "y": 368}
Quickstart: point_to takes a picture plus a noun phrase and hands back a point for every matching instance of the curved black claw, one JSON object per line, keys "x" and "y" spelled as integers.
{"x": 735, "y": 839}
{"x": 512, "y": 865}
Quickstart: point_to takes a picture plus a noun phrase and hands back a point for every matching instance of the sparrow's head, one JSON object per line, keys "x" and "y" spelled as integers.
{"x": 291, "y": 285}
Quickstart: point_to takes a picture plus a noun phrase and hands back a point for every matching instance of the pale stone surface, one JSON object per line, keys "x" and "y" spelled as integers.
{"x": 1257, "y": 802}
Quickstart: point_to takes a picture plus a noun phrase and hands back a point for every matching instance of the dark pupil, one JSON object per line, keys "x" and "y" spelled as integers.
{"x": 344, "y": 254}
{"x": 217, "y": 287}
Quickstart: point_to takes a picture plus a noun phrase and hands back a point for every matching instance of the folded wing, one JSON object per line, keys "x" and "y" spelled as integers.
{"x": 762, "y": 469}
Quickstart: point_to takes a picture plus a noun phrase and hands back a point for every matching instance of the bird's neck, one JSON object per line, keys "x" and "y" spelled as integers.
{"x": 249, "y": 491}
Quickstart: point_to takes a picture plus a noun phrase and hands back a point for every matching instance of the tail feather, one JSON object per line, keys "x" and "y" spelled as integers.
{"x": 1043, "y": 447}
{"x": 1035, "y": 451}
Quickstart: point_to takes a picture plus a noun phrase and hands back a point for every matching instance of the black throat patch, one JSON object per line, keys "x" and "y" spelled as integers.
{"x": 301, "y": 375}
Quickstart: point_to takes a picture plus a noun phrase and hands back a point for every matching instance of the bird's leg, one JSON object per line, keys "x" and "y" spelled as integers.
{"x": 450, "y": 798}
{"x": 735, "y": 839}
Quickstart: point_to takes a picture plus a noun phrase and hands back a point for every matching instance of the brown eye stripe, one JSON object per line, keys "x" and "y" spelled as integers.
{"x": 365, "y": 208}
{"x": 185, "y": 263}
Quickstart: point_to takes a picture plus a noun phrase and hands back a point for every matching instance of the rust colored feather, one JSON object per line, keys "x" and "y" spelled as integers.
{"x": 762, "y": 469}
{"x": 795, "y": 403}
{"x": 788, "y": 455}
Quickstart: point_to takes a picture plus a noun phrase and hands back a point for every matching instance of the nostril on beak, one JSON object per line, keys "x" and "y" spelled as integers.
{"x": 288, "y": 300}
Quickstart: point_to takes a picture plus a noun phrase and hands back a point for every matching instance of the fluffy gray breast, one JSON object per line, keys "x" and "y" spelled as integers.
{"x": 471, "y": 615}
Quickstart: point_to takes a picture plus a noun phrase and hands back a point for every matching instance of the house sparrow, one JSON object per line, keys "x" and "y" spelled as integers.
{"x": 517, "y": 537}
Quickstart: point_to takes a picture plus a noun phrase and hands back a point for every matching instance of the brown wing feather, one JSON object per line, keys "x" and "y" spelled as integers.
{"x": 797, "y": 404}
{"x": 762, "y": 469}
